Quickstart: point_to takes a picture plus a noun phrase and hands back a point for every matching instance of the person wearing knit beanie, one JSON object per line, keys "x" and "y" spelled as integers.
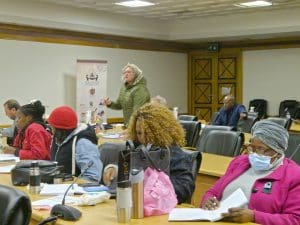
{"x": 74, "y": 145}
{"x": 63, "y": 117}
{"x": 268, "y": 180}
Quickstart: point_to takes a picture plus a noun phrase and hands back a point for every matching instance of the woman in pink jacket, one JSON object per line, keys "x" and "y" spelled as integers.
{"x": 33, "y": 140}
{"x": 270, "y": 181}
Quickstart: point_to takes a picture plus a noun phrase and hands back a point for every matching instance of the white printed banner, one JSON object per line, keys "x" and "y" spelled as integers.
{"x": 91, "y": 89}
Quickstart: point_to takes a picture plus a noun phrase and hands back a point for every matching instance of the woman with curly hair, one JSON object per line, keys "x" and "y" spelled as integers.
{"x": 155, "y": 124}
{"x": 33, "y": 140}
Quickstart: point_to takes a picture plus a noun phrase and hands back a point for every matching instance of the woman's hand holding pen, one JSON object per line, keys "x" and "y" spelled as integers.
{"x": 211, "y": 203}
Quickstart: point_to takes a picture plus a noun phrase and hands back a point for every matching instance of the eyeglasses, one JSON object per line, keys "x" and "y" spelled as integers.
{"x": 258, "y": 149}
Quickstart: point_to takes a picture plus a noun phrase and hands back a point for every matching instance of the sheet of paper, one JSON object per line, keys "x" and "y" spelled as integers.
{"x": 8, "y": 158}
{"x": 111, "y": 135}
{"x": 50, "y": 202}
{"x": 236, "y": 199}
{"x": 6, "y": 169}
{"x": 60, "y": 189}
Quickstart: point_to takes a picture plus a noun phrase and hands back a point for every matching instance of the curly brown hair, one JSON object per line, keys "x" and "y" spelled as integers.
{"x": 159, "y": 125}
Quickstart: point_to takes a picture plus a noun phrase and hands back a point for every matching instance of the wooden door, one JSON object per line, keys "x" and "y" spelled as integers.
{"x": 211, "y": 75}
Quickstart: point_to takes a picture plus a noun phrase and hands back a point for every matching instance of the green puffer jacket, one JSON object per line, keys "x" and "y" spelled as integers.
{"x": 132, "y": 97}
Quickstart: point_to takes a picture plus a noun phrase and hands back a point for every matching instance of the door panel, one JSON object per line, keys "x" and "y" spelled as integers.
{"x": 211, "y": 76}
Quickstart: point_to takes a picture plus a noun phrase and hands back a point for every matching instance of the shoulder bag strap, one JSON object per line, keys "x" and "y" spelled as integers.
{"x": 146, "y": 153}
{"x": 73, "y": 155}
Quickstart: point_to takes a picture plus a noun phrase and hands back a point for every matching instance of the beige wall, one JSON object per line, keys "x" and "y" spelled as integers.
{"x": 33, "y": 70}
{"x": 273, "y": 75}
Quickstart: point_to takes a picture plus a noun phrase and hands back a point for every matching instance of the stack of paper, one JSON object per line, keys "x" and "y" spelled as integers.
{"x": 50, "y": 202}
{"x": 236, "y": 199}
{"x": 60, "y": 189}
{"x": 6, "y": 169}
{"x": 8, "y": 158}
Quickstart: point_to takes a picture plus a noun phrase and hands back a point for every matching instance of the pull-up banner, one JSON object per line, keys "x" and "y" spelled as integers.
{"x": 91, "y": 89}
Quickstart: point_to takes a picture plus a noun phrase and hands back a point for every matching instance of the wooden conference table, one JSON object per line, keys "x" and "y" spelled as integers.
{"x": 212, "y": 167}
{"x": 103, "y": 213}
{"x": 295, "y": 126}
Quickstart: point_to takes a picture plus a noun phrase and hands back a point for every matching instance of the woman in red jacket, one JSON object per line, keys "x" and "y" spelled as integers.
{"x": 33, "y": 140}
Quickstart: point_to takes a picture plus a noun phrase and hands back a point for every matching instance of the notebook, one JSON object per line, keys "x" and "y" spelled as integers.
{"x": 236, "y": 199}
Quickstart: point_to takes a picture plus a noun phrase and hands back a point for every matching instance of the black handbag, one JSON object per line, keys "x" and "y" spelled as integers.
{"x": 161, "y": 157}
{"x": 48, "y": 169}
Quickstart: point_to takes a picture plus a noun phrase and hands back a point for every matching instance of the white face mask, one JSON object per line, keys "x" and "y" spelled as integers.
{"x": 260, "y": 162}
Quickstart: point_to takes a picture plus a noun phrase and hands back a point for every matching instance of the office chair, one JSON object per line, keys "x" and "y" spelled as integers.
{"x": 285, "y": 122}
{"x": 195, "y": 158}
{"x": 214, "y": 117}
{"x": 245, "y": 125}
{"x": 293, "y": 150}
{"x": 223, "y": 142}
{"x": 288, "y": 106}
{"x": 297, "y": 113}
{"x": 260, "y": 106}
{"x": 205, "y": 131}
{"x": 15, "y": 207}
{"x": 192, "y": 130}
{"x": 188, "y": 117}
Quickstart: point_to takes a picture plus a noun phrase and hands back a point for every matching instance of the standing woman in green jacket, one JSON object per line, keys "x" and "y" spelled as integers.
{"x": 133, "y": 94}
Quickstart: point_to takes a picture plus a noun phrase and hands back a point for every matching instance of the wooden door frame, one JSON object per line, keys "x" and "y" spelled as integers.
{"x": 228, "y": 51}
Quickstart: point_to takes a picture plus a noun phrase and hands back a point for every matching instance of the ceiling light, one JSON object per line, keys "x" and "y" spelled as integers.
{"x": 134, "y": 3}
{"x": 255, "y": 4}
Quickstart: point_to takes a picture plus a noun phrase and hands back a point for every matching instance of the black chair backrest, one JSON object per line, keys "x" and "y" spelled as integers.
{"x": 196, "y": 158}
{"x": 297, "y": 113}
{"x": 260, "y": 106}
{"x": 192, "y": 130}
{"x": 15, "y": 207}
{"x": 188, "y": 117}
{"x": 206, "y": 130}
{"x": 223, "y": 142}
{"x": 285, "y": 122}
{"x": 293, "y": 150}
{"x": 288, "y": 105}
{"x": 245, "y": 125}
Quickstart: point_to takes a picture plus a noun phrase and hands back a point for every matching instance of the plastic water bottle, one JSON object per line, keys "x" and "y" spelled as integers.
{"x": 34, "y": 178}
{"x": 175, "y": 112}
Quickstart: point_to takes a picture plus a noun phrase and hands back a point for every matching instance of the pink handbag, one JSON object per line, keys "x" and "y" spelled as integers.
{"x": 159, "y": 193}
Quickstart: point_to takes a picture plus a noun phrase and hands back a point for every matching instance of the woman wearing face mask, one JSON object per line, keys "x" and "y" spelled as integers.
{"x": 270, "y": 181}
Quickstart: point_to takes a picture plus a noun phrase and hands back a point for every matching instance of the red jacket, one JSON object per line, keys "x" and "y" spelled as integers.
{"x": 281, "y": 206}
{"x": 36, "y": 143}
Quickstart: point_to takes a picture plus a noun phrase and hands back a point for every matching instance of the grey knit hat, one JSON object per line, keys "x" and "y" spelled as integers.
{"x": 271, "y": 134}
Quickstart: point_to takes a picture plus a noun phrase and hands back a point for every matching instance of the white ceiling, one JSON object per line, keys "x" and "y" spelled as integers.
{"x": 176, "y": 9}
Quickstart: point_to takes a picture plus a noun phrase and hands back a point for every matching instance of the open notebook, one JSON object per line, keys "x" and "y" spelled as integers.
{"x": 236, "y": 199}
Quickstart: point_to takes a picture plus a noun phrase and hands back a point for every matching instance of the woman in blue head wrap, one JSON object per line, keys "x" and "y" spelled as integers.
{"x": 270, "y": 182}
